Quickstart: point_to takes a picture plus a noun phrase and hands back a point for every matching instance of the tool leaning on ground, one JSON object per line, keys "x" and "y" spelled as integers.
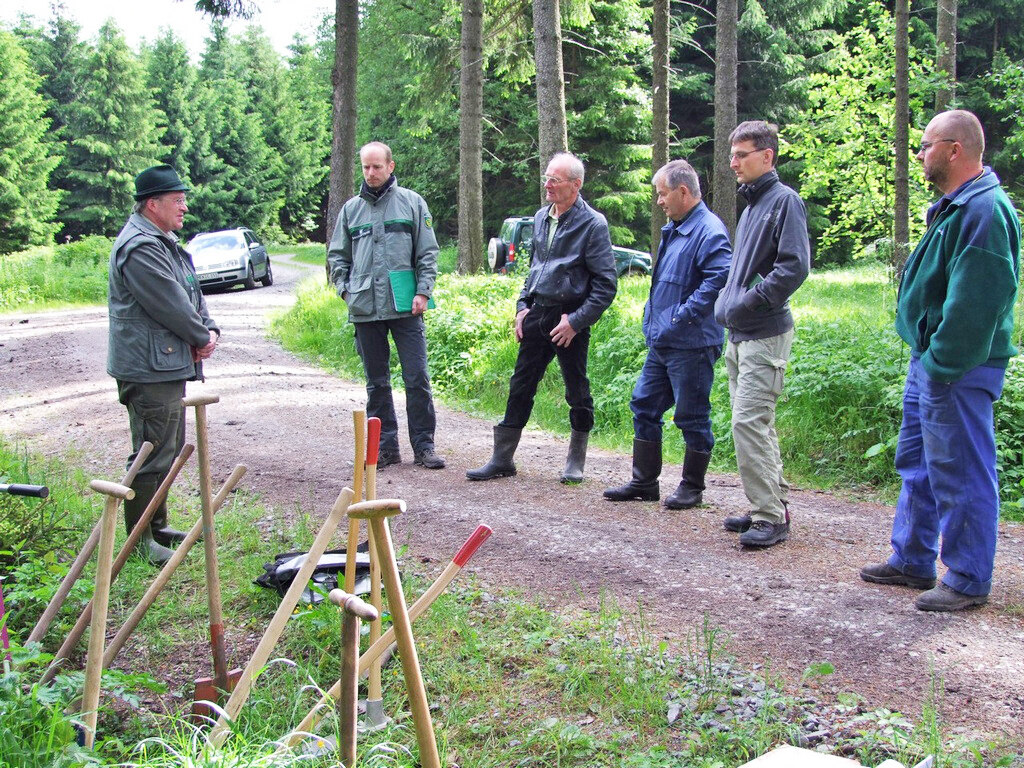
{"x": 273, "y": 632}
{"x": 376, "y": 513}
{"x": 39, "y": 631}
{"x": 376, "y": 718}
{"x": 353, "y": 610}
{"x": 122, "y": 557}
{"x": 374, "y": 652}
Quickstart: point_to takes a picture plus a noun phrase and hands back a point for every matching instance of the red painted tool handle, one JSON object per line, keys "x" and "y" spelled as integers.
{"x": 372, "y": 440}
{"x": 472, "y": 544}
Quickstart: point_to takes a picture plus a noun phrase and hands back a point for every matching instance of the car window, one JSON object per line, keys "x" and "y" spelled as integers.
{"x": 220, "y": 241}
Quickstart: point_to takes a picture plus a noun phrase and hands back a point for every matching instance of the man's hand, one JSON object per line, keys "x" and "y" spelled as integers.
{"x": 202, "y": 353}
{"x": 563, "y": 333}
{"x": 520, "y": 316}
{"x": 419, "y": 304}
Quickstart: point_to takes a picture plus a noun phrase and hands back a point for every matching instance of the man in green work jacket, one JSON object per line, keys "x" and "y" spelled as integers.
{"x": 955, "y": 310}
{"x": 160, "y": 332}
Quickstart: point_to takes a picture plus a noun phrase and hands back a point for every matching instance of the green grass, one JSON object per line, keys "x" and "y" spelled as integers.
{"x": 316, "y": 253}
{"x": 55, "y": 277}
{"x": 511, "y": 682}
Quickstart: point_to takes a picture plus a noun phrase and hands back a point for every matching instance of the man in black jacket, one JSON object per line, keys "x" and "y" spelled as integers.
{"x": 771, "y": 259}
{"x": 571, "y": 283}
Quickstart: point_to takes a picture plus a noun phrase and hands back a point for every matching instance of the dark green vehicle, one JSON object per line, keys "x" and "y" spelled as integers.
{"x": 510, "y": 250}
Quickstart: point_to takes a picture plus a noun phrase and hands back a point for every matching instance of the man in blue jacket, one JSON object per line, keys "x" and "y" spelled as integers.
{"x": 683, "y": 340}
{"x": 160, "y": 332}
{"x": 771, "y": 260}
{"x": 571, "y": 283}
{"x": 955, "y": 311}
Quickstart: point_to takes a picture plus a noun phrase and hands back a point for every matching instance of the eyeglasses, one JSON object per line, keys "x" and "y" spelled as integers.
{"x": 743, "y": 155}
{"x": 552, "y": 180}
{"x": 926, "y": 145}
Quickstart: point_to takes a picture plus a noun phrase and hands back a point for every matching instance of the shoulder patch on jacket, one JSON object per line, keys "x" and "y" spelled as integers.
{"x": 428, "y": 221}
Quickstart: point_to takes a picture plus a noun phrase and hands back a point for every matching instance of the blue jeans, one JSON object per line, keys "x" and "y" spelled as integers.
{"x": 680, "y": 378}
{"x": 372, "y": 345}
{"x": 947, "y": 459}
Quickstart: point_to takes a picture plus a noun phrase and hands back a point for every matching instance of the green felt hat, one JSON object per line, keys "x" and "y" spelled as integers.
{"x": 156, "y": 181}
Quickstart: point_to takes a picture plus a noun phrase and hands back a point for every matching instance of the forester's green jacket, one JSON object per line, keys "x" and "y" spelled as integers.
{"x": 374, "y": 236}
{"x": 955, "y": 306}
{"x": 157, "y": 312}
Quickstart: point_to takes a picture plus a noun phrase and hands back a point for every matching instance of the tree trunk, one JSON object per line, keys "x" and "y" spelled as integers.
{"x": 471, "y": 97}
{"x": 901, "y": 119}
{"x": 343, "y": 117}
{"x": 723, "y": 190}
{"x": 945, "y": 53}
{"x": 659, "y": 113}
{"x": 547, "y": 40}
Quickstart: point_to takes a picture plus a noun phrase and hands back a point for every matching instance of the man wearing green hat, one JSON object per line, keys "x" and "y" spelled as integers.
{"x": 160, "y": 332}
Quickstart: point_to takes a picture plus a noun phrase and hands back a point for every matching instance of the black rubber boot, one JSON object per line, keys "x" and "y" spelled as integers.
{"x": 577, "y": 457}
{"x": 506, "y": 440}
{"x": 689, "y": 494}
{"x": 148, "y": 547}
{"x": 165, "y": 536}
{"x": 646, "y": 470}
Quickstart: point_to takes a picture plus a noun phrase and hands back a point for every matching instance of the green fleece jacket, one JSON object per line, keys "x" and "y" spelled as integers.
{"x": 955, "y": 306}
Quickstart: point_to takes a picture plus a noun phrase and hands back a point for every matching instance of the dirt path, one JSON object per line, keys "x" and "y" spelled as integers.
{"x": 797, "y": 604}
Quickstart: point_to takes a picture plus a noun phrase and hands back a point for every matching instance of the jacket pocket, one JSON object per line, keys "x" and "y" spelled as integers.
{"x": 360, "y": 296}
{"x": 168, "y": 352}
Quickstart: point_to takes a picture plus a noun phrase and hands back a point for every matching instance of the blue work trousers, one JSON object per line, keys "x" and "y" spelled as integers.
{"x": 947, "y": 459}
{"x": 680, "y": 378}
{"x": 372, "y": 345}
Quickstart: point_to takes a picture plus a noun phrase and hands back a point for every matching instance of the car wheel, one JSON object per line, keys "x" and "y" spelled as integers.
{"x": 497, "y": 253}
{"x": 268, "y": 279}
{"x": 250, "y": 279}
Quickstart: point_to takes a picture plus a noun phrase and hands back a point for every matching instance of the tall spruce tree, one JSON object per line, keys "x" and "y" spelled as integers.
{"x": 303, "y": 213}
{"x": 27, "y": 158}
{"x": 172, "y": 80}
{"x": 112, "y": 134}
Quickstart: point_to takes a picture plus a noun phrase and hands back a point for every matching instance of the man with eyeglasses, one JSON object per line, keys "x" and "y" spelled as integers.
{"x": 571, "y": 283}
{"x": 771, "y": 259}
{"x": 159, "y": 334}
{"x": 955, "y": 311}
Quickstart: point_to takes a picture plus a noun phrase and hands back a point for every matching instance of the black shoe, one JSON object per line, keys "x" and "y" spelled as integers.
{"x": 387, "y": 458}
{"x": 945, "y": 598}
{"x": 883, "y": 573}
{"x": 429, "y": 459}
{"x": 169, "y": 537}
{"x": 764, "y": 534}
{"x": 737, "y": 523}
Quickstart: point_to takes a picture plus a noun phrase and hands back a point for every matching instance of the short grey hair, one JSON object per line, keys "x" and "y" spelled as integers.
{"x": 573, "y": 165}
{"x": 377, "y": 145}
{"x": 965, "y": 127}
{"x": 139, "y": 205}
{"x": 678, "y": 173}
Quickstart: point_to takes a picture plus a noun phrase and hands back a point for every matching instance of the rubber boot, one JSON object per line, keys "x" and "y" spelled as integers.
{"x": 577, "y": 457}
{"x": 689, "y": 493}
{"x": 155, "y": 553}
{"x": 506, "y": 440}
{"x": 165, "y": 536}
{"x": 646, "y": 470}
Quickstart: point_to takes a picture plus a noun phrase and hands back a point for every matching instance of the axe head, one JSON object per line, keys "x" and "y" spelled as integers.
{"x": 206, "y": 694}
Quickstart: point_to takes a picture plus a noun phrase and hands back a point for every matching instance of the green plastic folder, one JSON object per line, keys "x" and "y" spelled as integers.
{"x": 403, "y": 288}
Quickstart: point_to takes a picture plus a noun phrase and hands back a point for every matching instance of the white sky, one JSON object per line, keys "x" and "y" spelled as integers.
{"x": 144, "y": 19}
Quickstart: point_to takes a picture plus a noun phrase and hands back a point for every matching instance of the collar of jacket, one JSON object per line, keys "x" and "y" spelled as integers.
{"x": 575, "y": 206}
{"x": 965, "y": 192}
{"x": 372, "y": 195}
{"x": 685, "y": 225}
{"x": 754, "y": 190}
{"x": 147, "y": 227}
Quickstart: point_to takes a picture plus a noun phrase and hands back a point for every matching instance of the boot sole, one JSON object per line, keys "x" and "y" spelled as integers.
{"x": 900, "y": 581}
{"x": 780, "y": 537}
{"x": 495, "y": 476}
{"x": 669, "y": 504}
{"x": 636, "y": 497}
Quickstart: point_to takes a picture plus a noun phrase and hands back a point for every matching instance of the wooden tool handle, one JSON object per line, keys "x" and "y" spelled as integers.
{"x": 374, "y": 508}
{"x": 140, "y": 458}
{"x": 205, "y": 398}
{"x": 353, "y": 605}
{"x": 372, "y": 440}
{"x": 112, "y": 489}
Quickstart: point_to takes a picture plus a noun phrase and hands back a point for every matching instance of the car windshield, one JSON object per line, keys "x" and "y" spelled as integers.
{"x": 221, "y": 241}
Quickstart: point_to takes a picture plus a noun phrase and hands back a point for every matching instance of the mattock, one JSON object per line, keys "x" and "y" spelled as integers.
{"x": 376, "y": 513}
